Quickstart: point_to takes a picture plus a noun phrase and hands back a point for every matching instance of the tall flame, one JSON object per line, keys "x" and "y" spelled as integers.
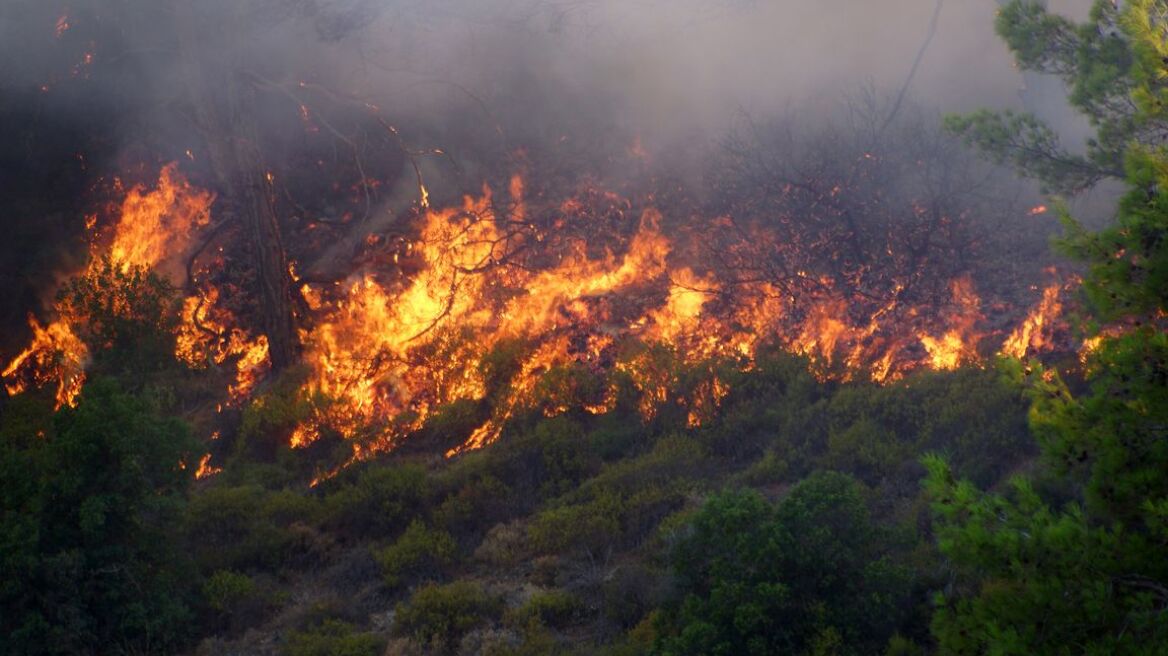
{"x": 1032, "y": 335}
{"x": 151, "y": 229}
{"x": 157, "y": 224}
{"x": 482, "y": 307}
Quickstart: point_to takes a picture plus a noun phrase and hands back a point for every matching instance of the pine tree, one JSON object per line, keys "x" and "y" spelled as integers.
{"x": 1086, "y": 574}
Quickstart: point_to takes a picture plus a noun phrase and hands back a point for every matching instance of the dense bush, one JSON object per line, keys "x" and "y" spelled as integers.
{"x": 89, "y": 513}
{"x": 231, "y": 528}
{"x": 333, "y": 638}
{"x": 554, "y": 608}
{"x": 812, "y": 573}
{"x": 439, "y": 615}
{"x": 380, "y": 502}
{"x": 418, "y": 553}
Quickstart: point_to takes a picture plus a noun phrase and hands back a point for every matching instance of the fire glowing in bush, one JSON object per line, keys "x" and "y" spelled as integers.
{"x": 482, "y": 308}
{"x": 151, "y": 229}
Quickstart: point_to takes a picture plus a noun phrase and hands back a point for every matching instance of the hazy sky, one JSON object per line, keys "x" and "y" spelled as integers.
{"x": 686, "y": 63}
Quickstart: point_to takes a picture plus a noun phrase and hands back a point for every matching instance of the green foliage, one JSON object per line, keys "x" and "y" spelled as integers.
{"x": 771, "y": 468}
{"x": 564, "y": 457}
{"x": 237, "y": 601}
{"x": 439, "y": 615}
{"x": 1035, "y": 580}
{"x": 1037, "y": 575}
{"x": 977, "y": 417}
{"x": 225, "y": 589}
{"x": 333, "y": 638}
{"x": 1094, "y": 60}
{"x": 554, "y": 608}
{"x": 475, "y": 506}
{"x": 763, "y": 405}
{"x": 270, "y": 418}
{"x": 759, "y": 579}
{"x": 624, "y": 502}
{"x": 127, "y": 318}
{"x": 593, "y": 526}
{"x": 88, "y": 512}
{"x": 418, "y": 553}
{"x": 244, "y": 527}
{"x": 380, "y": 502}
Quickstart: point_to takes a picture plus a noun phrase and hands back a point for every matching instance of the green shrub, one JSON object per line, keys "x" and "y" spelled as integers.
{"x": 333, "y": 638}
{"x": 631, "y": 593}
{"x": 237, "y": 600}
{"x": 439, "y": 615}
{"x": 504, "y": 544}
{"x": 976, "y": 416}
{"x": 554, "y": 608}
{"x": 226, "y": 589}
{"x": 474, "y": 507}
{"x": 593, "y": 526}
{"x": 673, "y": 460}
{"x": 380, "y": 502}
{"x": 268, "y": 421}
{"x": 770, "y": 469}
{"x": 564, "y": 458}
{"x": 229, "y": 530}
{"x": 88, "y": 517}
{"x": 126, "y": 316}
{"x": 865, "y": 450}
{"x": 811, "y": 574}
{"x": 419, "y": 552}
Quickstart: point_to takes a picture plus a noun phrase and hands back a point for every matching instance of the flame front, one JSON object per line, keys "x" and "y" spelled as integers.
{"x": 388, "y": 351}
{"x": 495, "y": 305}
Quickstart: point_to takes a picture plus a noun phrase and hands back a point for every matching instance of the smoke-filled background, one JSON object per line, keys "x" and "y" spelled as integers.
{"x": 664, "y": 69}
{"x": 92, "y": 89}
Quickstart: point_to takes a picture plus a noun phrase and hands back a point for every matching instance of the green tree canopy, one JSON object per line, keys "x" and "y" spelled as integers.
{"x": 810, "y": 574}
{"x": 1040, "y": 575}
{"x": 88, "y": 564}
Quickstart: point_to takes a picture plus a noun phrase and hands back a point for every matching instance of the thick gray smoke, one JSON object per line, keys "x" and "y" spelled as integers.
{"x": 99, "y": 87}
{"x": 659, "y": 67}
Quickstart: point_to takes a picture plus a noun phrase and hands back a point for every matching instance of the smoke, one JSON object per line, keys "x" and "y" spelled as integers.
{"x": 95, "y": 88}
{"x": 658, "y": 68}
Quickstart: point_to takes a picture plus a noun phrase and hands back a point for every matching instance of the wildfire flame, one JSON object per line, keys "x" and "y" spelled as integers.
{"x": 157, "y": 224}
{"x": 476, "y": 310}
{"x": 388, "y": 354}
{"x": 150, "y": 230}
{"x": 205, "y": 469}
{"x": 959, "y": 343}
{"x": 55, "y": 354}
{"x": 1032, "y": 336}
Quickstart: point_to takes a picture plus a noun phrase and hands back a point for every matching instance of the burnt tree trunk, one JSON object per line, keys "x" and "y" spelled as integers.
{"x": 223, "y": 109}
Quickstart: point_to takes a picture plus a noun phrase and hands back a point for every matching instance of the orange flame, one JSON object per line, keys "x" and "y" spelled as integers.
{"x": 205, "y": 469}
{"x": 1032, "y": 336}
{"x": 386, "y": 355}
{"x": 152, "y": 228}
{"x": 158, "y": 224}
{"x": 55, "y": 354}
{"x": 959, "y": 343}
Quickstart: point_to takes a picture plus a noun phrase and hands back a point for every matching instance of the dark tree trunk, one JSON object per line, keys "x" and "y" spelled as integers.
{"x": 223, "y": 109}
